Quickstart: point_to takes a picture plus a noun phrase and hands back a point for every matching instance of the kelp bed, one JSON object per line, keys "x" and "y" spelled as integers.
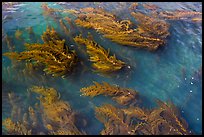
{"x": 54, "y": 116}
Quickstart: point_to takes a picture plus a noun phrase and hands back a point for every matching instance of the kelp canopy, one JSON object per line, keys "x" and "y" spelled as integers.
{"x": 101, "y": 59}
{"x": 57, "y": 58}
{"x": 135, "y": 120}
{"x": 149, "y": 35}
{"x": 56, "y": 115}
{"x": 123, "y": 96}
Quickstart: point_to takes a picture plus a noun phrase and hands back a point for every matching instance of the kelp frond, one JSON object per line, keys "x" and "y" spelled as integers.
{"x": 101, "y": 59}
{"x": 179, "y": 14}
{"x": 152, "y": 27}
{"x": 147, "y": 35}
{"x": 137, "y": 121}
{"x": 123, "y": 96}
{"x": 113, "y": 120}
{"x": 50, "y": 95}
{"x": 53, "y": 53}
{"x": 56, "y": 115}
{"x": 15, "y": 128}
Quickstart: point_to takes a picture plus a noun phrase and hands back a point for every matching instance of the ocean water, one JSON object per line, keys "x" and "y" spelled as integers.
{"x": 169, "y": 73}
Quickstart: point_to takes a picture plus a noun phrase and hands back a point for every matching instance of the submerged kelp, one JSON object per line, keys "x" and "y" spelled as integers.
{"x": 151, "y": 27}
{"x": 121, "y": 31}
{"x": 137, "y": 121}
{"x": 53, "y": 53}
{"x": 180, "y": 15}
{"x": 57, "y": 116}
{"x": 56, "y": 113}
{"x": 123, "y": 96}
{"x": 101, "y": 59}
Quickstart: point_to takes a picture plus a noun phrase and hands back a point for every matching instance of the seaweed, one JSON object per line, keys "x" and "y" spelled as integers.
{"x": 133, "y": 119}
{"x": 121, "y": 31}
{"x": 113, "y": 120}
{"x": 133, "y": 6}
{"x": 101, "y": 59}
{"x": 123, "y": 96}
{"x": 137, "y": 121}
{"x": 152, "y": 27}
{"x": 179, "y": 15}
{"x": 56, "y": 115}
{"x": 57, "y": 58}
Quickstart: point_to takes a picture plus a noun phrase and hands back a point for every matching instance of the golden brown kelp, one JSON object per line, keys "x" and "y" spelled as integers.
{"x": 57, "y": 115}
{"x": 163, "y": 120}
{"x": 15, "y": 128}
{"x": 53, "y": 53}
{"x": 136, "y": 121}
{"x": 101, "y": 59}
{"x": 151, "y": 7}
{"x": 21, "y": 123}
{"x": 121, "y": 31}
{"x": 149, "y": 26}
{"x": 123, "y": 96}
{"x": 179, "y": 14}
{"x": 133, "y": 6}
{"x": 52, "y": 116}
{"x": 113, "y": 120}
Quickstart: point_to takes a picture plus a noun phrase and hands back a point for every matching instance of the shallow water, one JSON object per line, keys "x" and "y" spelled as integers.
{"x": 169, "y": 73}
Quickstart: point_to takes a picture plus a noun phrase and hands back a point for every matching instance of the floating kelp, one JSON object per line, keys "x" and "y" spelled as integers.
{"x": 133, "y": 6}
{"x": 113, "y": 120}
{"x": 151, "y": 7}
{"x": 163, "y": 121}
{"x": 121, "y": 31}
{"x": 136, "y": 121}
{"x": 152, "y": 27}
{"x": 123, "y": 96}
{"x": 179, "y": 14}
{"x": 53, "y": 53}
{"x": 101, "y": 59}
{"x": 56, "y": 113}
{"x": 57, "y": 116}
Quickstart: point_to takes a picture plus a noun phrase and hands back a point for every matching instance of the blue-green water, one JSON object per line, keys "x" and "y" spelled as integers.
{"x": 169, "y": 73}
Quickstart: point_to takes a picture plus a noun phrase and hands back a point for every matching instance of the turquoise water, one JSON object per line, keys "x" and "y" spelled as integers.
{"x": 169, "y": 73}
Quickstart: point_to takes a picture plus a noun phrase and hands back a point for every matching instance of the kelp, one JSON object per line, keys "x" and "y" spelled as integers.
{"x": 121, "y": 31}
{"x": 101, "y": 59}
{"x": 133, "y": 119}
{"x": 21, "y": 123}
{"x": 136, "y": 121}
{"x": 133, "y": 6}
{"x": 149, "y": 26}
{"x": 64, "y": 27}
{"x": 56, "y": 115}
{"x": 179, "y": 14}
{"x": 151, "y": 7}
{"x": 15, "y": 128}
{"x": 123, "y": 96}
{"x": 57, "y": 58}
{"x": 113, "y": 120}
